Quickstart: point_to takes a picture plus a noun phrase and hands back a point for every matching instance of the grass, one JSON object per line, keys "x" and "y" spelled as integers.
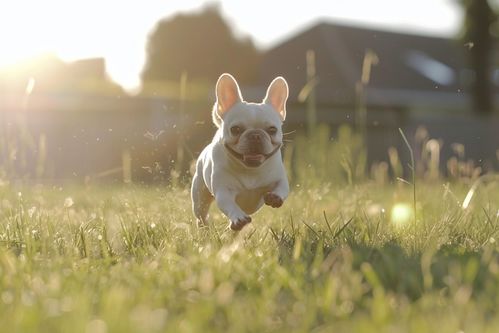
{"x": 130, "y": 259}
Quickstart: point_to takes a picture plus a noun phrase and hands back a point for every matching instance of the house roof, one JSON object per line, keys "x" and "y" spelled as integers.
{"x": 412, "y": 70}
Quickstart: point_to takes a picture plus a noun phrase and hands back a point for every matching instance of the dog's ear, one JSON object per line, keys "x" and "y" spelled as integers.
{"x": 277, "y": 94}
{"x": 228, "y": 94}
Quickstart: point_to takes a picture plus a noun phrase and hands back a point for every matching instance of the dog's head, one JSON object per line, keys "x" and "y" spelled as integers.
{"x": 251, "y": 132}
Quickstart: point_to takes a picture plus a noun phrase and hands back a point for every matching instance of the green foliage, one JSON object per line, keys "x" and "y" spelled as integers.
{"x": 201, "y": 44}
{"x": 132, "y": 260}
{"x": 339, "y": 159}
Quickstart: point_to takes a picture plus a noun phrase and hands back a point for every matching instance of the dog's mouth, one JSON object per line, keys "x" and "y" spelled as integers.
{"x": 252, "y": 160}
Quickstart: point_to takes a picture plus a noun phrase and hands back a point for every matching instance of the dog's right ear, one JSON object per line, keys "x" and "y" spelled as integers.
{"x": 228, "y": 94}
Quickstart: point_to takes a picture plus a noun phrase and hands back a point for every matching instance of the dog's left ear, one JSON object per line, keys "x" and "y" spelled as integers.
{"x": 277, "y": 94}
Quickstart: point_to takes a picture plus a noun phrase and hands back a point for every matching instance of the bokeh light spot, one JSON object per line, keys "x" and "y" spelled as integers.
{"x": 401, "y": 214}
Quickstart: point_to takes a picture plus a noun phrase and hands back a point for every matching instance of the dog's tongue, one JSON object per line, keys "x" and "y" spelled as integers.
{"x": 253, "y": 157}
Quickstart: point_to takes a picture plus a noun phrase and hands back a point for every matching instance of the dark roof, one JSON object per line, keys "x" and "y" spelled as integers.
{"x": 412, "y": 69}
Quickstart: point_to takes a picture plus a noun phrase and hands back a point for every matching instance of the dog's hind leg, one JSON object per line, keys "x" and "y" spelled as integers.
{"x": 201, "y": 199}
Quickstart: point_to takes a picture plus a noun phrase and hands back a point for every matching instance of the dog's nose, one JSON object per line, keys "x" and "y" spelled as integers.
{"x": 257, "y": 137}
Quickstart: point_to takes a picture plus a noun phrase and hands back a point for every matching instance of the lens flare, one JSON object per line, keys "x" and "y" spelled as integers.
{"x": 401, "y": 214}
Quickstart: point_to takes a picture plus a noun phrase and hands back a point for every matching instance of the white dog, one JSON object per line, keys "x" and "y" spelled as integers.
{"x": 242, "y": 167}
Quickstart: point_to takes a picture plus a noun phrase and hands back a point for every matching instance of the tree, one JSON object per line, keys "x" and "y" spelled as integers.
{"x": 478, "y": 32}
{"x": 201, "y": 44}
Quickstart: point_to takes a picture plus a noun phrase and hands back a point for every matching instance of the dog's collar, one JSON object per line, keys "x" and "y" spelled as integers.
{"x": 240, "y": 156}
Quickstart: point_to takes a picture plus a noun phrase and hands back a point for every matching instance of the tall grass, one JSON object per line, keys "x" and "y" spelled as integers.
{"x": 341, "y": 158}
{"x": 412, "y": 166}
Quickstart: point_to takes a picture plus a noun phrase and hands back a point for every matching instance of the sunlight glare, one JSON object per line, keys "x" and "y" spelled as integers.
{"x": 30, "y": 86}
{"x": 401, "y": 214}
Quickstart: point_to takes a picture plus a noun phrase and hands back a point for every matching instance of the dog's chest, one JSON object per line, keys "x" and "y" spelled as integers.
{"x": 251, "y": 200}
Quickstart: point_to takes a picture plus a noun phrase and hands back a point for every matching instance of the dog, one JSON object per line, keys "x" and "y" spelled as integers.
{"x": 242, "y": 168}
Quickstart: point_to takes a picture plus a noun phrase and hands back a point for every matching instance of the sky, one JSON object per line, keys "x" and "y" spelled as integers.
{"x": 118, "y": 29}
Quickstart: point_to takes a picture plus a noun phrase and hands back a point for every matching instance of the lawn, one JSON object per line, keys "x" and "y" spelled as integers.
{"x": 343, "y": 259}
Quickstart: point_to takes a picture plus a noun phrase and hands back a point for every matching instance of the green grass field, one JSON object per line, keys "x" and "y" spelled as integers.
{"x": 332, "y": 259}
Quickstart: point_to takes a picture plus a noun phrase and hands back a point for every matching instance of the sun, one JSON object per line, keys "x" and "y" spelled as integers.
{"x": 32, "y": 28}
{"x": 76, "y": 29}
{"x": 69, "y": 29}
{"x": 18, "y": 34}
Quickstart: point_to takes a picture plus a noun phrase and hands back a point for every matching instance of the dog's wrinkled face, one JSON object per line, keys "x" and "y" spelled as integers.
{"x": 251, "y": 132}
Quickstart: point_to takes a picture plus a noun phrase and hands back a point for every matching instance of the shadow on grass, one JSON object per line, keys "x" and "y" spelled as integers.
{"x": 445, "y": 270}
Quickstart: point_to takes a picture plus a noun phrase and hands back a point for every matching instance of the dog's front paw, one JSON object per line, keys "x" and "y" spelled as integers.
{"x": 272, "y": 200}
{"x": 238, "y": 224}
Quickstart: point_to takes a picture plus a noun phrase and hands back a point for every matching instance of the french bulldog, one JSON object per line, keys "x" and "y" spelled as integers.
{"x": 242, "y": 168}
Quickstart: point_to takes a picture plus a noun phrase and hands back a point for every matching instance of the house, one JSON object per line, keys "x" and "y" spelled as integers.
{"x": 413, "y": 71}
{"x": 417, "y": 81}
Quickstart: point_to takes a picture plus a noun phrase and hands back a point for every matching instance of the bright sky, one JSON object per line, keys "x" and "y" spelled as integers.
{"x": 118, "y": 29}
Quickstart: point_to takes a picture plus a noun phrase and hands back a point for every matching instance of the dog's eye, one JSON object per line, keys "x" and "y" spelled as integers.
{"x": 236, "y": 130}
{"x": 272, "y": 130}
